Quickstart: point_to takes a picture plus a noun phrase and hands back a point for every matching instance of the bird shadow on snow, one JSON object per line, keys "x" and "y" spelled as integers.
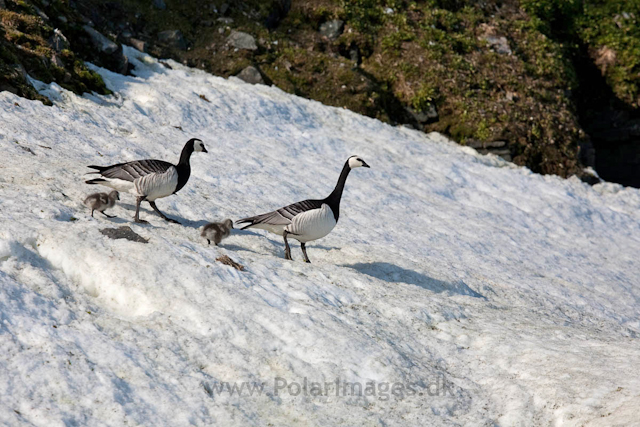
{"x": 393, "y": 273}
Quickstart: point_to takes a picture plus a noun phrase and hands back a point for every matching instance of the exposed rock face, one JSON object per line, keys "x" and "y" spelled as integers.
{"x": 58, "y": 41}
{"x": 332, "y": 29}
{"x": 173, "y": 38}
{"x": 240, "y": 40}
{"x": 100, "y": 42}
{"x": 138, "y": 44}
{"x": 428, "y": 115}
{"x": 251, "y": 75}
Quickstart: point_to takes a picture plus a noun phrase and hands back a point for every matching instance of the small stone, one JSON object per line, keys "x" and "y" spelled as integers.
{"x": 332, "y": 29}
{"x": 224, "y": 259}
{"x": 99, "y": 41}
{"x": 429, "y": 115}
{"x": 240, "y": 40}
{"x": 138, "y": 44}
{"x": 63, "y": 19}
{"x": 55, "y": 60}
{"x": 173, "y": 38}
{"x": 123, "y": 232}
{"x": 225, "y": 20}
{"x": 499, "y": 44}
{"x": 251, "y": 75}
{"x": 159, "y": 4}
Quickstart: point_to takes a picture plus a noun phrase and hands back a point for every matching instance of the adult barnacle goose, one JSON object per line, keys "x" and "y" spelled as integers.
{"x": 307, "y": 220}
{"x": 149, "y": 179}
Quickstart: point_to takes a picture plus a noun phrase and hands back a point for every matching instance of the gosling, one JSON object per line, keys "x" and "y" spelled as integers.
{"x": 217, "y": 231}
{"x": 102, "y": 201}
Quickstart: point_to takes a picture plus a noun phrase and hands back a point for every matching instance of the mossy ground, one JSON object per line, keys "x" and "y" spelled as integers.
{"x": 394, "y": 55}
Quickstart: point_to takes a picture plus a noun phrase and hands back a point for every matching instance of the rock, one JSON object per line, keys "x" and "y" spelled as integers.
{"x": 102, "y": 43}
{"x": 498, "y": 44}
{"x": 240, "y": 40}
{"x": 173, "y": 38}
{"x": 123, "y": 232}
{"x": 58, "y": 41}
{"x": 332, "y": 29}
{"x": 251, "y": 75}
{"x": 55, "y": 60}
{"x": 280, "y": 10}
{"x": 225, "y": 20}
{"x": 138, "y": 44}
{"x": 159, "y": 4}
{"x": 224, "y": 259}
{"x": 428, "y": 116}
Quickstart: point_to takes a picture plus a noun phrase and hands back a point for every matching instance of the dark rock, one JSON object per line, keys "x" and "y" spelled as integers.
{"x": 332, "y": 29}
{"x": 173, "y": 38}
{"x": 58, "y": 41}
{"x": 279, "y": 11}
{"x": 138, "y": 44}
{"x": 100, "y": 42}
{"x": 240, "y": 40}
{"x": 251, "y": 75}
{"x": 55, "y": 60}
{"x": 123, "y": 232}
{"x": 159, "y": 4}
{"x": 429, "y": 115}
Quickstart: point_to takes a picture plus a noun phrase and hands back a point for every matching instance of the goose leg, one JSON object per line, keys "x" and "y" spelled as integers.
{"x": 303, "y": 246}
{"x": 91, "y": 213}
{"x": 108, "y": 216}
{"x": 287, "y": 249}
{"x": 163, "y": 216}
{"x": 137, "y": 217}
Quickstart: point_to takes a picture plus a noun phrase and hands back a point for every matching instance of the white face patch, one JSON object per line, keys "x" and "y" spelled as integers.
{"x": 198, "y": 146}
{"x": 355, "y": 162}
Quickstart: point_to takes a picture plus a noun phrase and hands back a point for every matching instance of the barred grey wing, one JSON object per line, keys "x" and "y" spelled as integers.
{"x": 134, "y": 170}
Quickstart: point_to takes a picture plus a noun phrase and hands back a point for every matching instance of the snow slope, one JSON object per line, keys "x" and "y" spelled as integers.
{"x": 487, "y": 294}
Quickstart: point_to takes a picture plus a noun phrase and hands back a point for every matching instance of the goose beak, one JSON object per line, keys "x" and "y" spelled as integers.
{"x": 204, "y": 150}
{"x": 365, "y": 165}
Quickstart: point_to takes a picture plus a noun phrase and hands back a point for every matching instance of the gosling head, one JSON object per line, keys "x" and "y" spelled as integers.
{"x": 356, "y": 162}
{"x": 228, "y": 223}
{"x": 114, "y": 195}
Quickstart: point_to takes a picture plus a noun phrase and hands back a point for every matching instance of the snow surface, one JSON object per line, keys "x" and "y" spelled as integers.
{"x": 516, "y": 291}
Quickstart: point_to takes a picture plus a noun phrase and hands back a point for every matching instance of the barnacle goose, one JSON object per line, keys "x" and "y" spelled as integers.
{"x": 149, "y": 179}
{"x": 102, "y": 201}
{"x": 307, "y": 220}
{"x": 217, "y": 231}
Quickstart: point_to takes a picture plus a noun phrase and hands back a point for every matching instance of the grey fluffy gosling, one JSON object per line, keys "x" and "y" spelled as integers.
{"x": 102, "y": 201}
{"x": 217, "y": 231}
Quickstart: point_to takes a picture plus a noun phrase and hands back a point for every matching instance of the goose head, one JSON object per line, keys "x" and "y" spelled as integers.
{"x": 197, "y": 144}
{"x": 356, "y": 162}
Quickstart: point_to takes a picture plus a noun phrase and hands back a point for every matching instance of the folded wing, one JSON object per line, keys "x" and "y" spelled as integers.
{"x": 132, "y": 170}
{"x": 282, "y": 216}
